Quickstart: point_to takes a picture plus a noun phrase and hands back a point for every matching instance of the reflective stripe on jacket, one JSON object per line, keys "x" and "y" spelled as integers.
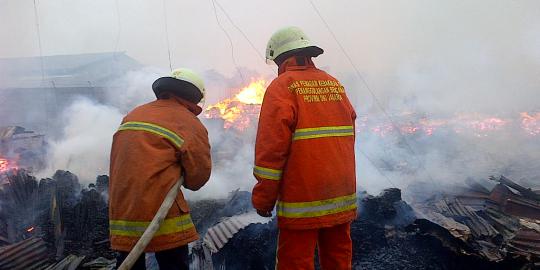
{"x": 304, "y": 152}
{"x": 154, "y": 145}
{"x": 178, "y": 224}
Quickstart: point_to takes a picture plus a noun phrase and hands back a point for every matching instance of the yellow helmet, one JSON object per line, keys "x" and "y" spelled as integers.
{"x": 288, "y": 39}
{"x": 182, "y": 82}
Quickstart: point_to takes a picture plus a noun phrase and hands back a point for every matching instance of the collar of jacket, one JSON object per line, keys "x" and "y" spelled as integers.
{"x": 192, "y": 107}
{"x": 296, "y": 63}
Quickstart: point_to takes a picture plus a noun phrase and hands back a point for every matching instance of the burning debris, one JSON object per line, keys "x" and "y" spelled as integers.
{"x": 501, "y": 226}
{"x": 20, "y": 148}
{"x": 56, "y": 223}
{"x": 390, "y": 234}
{"x": 243, "y": 109}
{"x": 72, "y": 223}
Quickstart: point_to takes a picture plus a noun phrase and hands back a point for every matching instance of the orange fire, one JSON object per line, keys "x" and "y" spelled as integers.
{"x": 6, "y": 164}
{"x": 531, "y": 123}
{"x": 241, "y": 110}
{"x": 3, "y": 164}
{"x": 473, "y": 124}
{"x": 30, "y": 229}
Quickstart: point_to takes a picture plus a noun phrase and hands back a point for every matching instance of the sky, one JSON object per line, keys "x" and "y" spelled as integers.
{"x": 434, "y": 58}
{"x": 449, "y": 54}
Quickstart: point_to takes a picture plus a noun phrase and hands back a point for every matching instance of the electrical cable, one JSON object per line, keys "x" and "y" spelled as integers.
{"x": 216, "y": 2}
{"x": 230, "y": 41}
{"x": 167, "y": 33}
{"x": 36, "y": 15}
{"x": 243, "y": 34}
{"x": 119, "y": 25}
{"x": 377, "y": 101}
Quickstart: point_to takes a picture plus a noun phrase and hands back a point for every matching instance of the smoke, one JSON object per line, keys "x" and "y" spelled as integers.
{"x": 88, "y": 125}
{"x": 83, "y": 147}
{"x": 232, "y": 154}
{"x": 133, "y": 89}
{"x": 445, "y": 158}
{"x": 421, "y": 60}
{"x": 86, "y": 139}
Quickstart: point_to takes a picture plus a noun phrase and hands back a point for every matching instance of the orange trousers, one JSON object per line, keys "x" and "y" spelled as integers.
{"x": 296, "y": 248}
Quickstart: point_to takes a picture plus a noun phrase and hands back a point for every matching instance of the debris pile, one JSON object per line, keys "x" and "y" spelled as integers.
{"x": 440, "y": 233}
{"x": 21, "y": 148}
{"x": 487, "y": 225}
{"x": 500, "y": 226}
{"x": 53, "y": 221}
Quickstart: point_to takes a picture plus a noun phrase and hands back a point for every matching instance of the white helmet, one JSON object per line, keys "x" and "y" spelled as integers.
{"x": 183, "y": 82}
{"x": 288, "y": 39}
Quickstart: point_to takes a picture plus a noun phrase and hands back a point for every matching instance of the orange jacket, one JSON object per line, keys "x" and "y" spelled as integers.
{"x": 156, "y": 143}
{"x": 304, "y": 152}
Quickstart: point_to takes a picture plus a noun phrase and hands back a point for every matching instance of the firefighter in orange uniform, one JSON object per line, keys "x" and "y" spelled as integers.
{"x": 304, "y": 157}
{"x": 156, "y": 144}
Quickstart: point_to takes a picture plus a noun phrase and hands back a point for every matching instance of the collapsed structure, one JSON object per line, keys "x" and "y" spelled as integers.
{"x": 56, "y": 223}
{"x": 21, "y": 148}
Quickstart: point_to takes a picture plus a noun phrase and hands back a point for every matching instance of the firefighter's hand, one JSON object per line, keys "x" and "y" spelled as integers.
{"x": 264, "y": 213}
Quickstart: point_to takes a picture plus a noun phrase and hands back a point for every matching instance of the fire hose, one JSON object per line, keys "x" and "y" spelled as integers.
{"x": 148, "y": 234}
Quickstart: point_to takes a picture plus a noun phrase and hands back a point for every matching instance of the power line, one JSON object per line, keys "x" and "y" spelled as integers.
{"x": 377, "y": 168}
{"x": 119, "y": 25}
{"x": 377, "y": 101}
{"x": 39, "y": 42}
{"x": 167, "y": 34}
{"x": 243, "y": 34}
{"x": 42, "y": 66}
{"x": 230, "y": 41}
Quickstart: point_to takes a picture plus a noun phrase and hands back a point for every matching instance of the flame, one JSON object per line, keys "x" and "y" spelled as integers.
{"x": 530, "y": 123}
{"x": 6, "y": 165}
{"x": 473, "y": 124}
{"x": 30, "y": 229}
{"x": 242, "y": 109}
{"x": 253, "y": 93}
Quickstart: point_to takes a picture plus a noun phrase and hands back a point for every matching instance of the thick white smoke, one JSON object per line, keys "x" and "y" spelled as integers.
{"x": 445, "y": 157}
{"x": 88, "y": 126}
{"x": 84, "y": 145}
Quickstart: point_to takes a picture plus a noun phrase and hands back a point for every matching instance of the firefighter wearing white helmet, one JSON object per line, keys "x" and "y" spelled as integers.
{"x": 182, "y": 82}
{"x": 155, "y": 144}
{"x": 287, "y": 41}
{"x": 304, "y": 157}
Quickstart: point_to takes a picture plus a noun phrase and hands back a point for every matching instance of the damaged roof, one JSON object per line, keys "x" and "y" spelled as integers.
{"x": 90, "y": 69}
{"x": 496, "y": 223}
{"x": 27, "y": 254}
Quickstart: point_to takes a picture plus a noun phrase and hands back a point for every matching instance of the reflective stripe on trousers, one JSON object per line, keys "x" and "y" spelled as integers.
{"x": 137, "y": 228}
{"x": 155, "y": 129}
{"x": 321, "y": 132}
{"x": 267, "y": 173}
{"x": 316, "y": 208}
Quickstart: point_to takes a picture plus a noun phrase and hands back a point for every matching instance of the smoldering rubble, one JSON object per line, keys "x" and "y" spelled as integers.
{"x": 55, "y": 223}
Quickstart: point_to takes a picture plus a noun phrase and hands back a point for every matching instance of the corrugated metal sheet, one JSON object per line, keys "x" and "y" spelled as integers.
{"x": 526, "y": 242}
{"x": 70, "y": 262}
{"x": 217, "y": 236}
{"x": 514, "y": 204}
{"x": 8, "y": 132}
{"x": 27, "y": 254}
{"x": 466, "y": 215}
{"x": 101, "y": 264}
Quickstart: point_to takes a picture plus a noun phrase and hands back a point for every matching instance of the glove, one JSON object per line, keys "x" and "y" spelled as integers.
{"x": 264, "y": 213}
